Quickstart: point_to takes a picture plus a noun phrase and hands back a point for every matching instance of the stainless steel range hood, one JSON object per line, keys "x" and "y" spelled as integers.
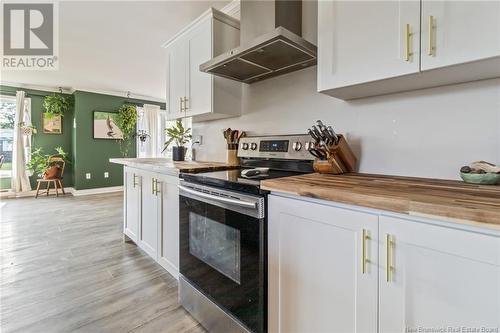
{"x": 270, "y": 43}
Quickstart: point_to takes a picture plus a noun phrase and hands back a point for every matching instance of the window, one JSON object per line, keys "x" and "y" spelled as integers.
{"x": 7, "y": 120}
{"x": 161, "y": 138}
{"x": 187, "y": 122}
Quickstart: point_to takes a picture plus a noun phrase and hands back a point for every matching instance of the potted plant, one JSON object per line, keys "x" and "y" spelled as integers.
{"x": 39, "y": 162}
{"x": 55, "y": 105}
{"x": 181, "y": 136}
{"x": 126, "y": 121}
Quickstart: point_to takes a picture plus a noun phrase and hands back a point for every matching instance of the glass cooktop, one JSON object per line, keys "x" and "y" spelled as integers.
{"x": 234, "y": 180}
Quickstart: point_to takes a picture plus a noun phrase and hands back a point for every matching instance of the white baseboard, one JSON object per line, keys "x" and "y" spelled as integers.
{"x": 98, "y": 190}
{"x": 32, "y": 193}
{"x": 68, "y": 190}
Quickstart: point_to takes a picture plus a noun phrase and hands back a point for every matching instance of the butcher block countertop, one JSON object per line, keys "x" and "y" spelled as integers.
{"x": 169, "y": 167}
{"x": 439, "y": 199}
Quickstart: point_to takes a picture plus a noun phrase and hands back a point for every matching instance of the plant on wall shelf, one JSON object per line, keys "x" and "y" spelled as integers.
{"x": 39, "y": 162}
{"x": 126, "y": 121}
{"x": 181, "y": 136}
{"x": 55, "y": 105}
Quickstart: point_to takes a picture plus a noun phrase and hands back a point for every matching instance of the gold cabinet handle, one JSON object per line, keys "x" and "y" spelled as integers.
{"x": 135, "y": 182}
{"x": 431, "y": 48}
{"x": 389, "y": 265}
{"x": 153, "y": 186}
{"x": 157, "y": 191}
{"x": 364, "y": 256}
{"x": 408, "y": 36}
{"x": 185, "y": 104}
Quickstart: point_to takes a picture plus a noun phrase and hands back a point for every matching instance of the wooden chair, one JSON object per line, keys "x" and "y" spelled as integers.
{"x": 53, "y": 160}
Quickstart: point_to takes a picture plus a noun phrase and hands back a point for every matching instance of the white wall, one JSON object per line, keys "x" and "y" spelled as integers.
{"x": 425, "y": 133}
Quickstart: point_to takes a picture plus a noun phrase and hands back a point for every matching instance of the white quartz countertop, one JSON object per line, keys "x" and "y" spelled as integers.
{"x": 169, "y": 167}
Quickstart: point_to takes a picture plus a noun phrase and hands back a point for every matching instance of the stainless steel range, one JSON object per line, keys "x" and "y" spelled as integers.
{"x": 223, "y": 234}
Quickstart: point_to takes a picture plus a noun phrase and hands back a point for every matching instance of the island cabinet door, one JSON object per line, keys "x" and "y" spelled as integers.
{"x": 150, "y": 215}
{"x": 132, "y": 203}
{"x": 433, "y": 277}
{"x": 168, "y": 224}
{"x": 318, "y": 280}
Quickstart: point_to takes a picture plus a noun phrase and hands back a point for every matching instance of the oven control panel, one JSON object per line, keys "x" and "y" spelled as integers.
{"x": 290, "y": 147}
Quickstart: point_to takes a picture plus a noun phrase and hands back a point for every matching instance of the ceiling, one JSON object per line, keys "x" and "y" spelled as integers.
{"x": 114, "y": 46}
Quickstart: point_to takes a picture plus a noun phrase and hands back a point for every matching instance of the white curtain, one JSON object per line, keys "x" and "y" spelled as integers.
{"x": 22, "y": 145}
{"x": 151, "y": 124}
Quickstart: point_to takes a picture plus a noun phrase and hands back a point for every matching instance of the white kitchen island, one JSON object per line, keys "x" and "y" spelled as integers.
{"x": 151, "y": 205}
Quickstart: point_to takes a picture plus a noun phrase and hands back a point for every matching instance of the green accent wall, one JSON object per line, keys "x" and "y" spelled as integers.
{"x": 88, "y": 155}
{"x": 92, "y": 155}
{"x": 48, "y": 142}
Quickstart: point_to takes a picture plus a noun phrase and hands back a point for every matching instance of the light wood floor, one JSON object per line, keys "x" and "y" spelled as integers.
{"x": 65, "y": 268}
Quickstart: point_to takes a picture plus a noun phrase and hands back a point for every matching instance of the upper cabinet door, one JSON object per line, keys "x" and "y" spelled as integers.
{"x": 199, "y": 43}
{"x": 363, "y": 41}
{"x": 438, "y": 277}
{"x": 455, "y": 32}
{"x": 176, "y": 77}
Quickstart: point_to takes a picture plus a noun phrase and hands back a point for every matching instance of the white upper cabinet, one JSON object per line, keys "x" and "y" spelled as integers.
{"x": 176, "y": 78}
{"x": 439, "y": 277}
{"x": 455, "y": 32}
{"x": 369, "y": 48}
{"x": 190, "y": 92}
{"x": 363, "y": 41}
{"x": 199, "y": 51}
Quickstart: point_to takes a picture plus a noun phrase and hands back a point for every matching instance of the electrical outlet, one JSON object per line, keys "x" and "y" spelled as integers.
{"x": 106, "y": 174}
{"x": 198, "y": 138}
{"x": 88, "y": 175}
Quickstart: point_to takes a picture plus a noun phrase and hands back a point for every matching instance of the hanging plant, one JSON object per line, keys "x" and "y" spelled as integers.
{"x": 142, "y": 135}
{"x": 55, "y": 105}
{"x": 27, "y": 130}
{"x": 126, "y": 121}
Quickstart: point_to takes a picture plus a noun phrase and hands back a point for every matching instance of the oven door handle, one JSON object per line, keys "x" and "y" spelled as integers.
{"x": 235, "y": 202}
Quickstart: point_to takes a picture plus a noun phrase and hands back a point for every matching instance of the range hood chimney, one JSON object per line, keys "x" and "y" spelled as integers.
{"x": 270, "y": 43}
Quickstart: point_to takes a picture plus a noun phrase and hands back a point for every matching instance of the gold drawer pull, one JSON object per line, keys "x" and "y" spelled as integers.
{"x": 364, "y": 257}
{"x": 389, "y": 257}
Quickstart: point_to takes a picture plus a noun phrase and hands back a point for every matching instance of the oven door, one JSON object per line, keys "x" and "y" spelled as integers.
{"x": 222, "y": 249}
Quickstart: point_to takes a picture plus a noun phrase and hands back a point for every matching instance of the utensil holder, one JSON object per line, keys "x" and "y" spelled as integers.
{"x": 340, "y": 160}
{"x": 232, "y": 155}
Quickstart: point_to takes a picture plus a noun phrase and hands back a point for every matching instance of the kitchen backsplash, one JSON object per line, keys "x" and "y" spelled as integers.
{"x": 425, "y": 133}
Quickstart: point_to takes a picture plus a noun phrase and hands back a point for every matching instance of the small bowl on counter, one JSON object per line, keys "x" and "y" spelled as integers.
{"x": 481, "y": 178}
{"x": 481, "y": 172}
